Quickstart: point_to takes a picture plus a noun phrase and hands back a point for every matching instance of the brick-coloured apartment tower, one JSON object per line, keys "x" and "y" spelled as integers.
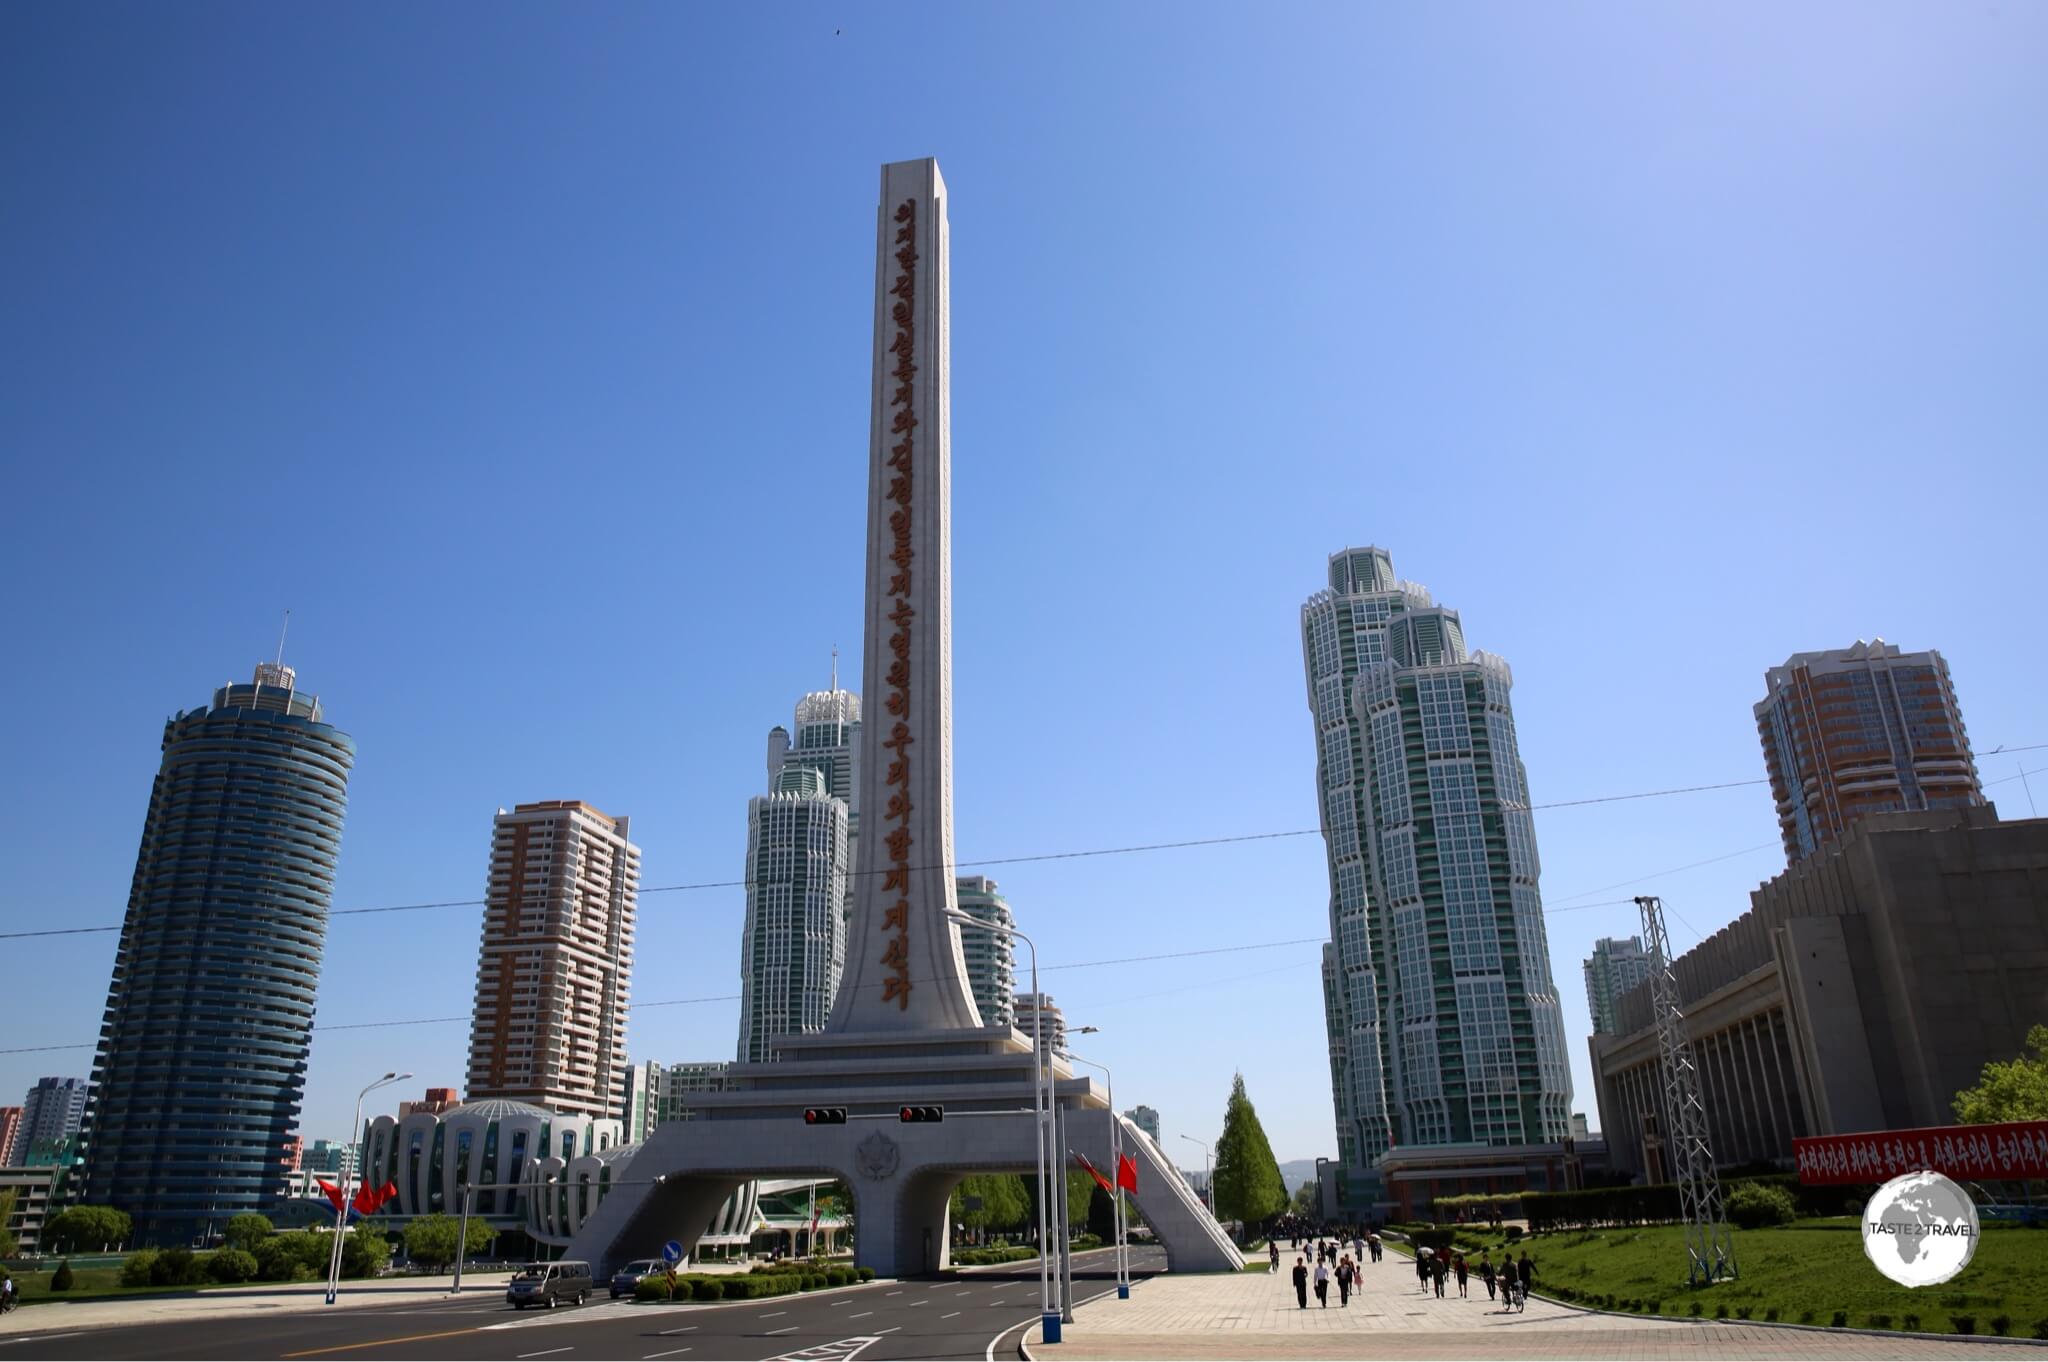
{"x": 556, "y": 960}
{"x": 1862, "y": 730}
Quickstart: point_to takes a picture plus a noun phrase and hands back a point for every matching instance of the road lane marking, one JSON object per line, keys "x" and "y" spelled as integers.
{"x": 773, "y": 1332}
{"x": 773, "y": 1313}
{"x": 38, "y": 1338}
{"x": 684, "y": 1330}
{"x": 842, "y": 1302}
{"x": 915, "y": 1304}
{"x": 890, "y": 1330}
{"x": 548, "y": 1353}
{"x": 892, "y": 1293}
{"x": 670, "y": 1353}
{"x": 862, "y": 1315}
{"x": 949, "y": 1316}
{"x": 379, "y": 1343}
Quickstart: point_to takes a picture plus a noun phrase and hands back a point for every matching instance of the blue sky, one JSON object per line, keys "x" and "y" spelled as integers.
{"x": 522, "y": 353}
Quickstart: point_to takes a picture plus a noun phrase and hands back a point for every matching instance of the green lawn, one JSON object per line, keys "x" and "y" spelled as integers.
{"x": 1803, "y": 1273}
{"x": 88, "y": 1283}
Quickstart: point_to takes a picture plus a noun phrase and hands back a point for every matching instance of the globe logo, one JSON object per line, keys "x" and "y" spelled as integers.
{"x": 1920, "y": 1229}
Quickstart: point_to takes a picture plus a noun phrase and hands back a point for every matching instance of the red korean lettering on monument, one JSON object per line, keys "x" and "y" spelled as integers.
{"x": 896, "y": 983}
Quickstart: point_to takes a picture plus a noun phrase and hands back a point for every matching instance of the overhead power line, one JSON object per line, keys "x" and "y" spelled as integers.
{"x": 962, "y": 865}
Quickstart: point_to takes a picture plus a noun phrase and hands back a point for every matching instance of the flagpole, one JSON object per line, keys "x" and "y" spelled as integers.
{"x": 1116, "y": 1164}
{"x": 350, "y": 1175}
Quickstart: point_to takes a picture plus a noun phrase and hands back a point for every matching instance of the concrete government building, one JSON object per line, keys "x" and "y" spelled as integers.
{"x": 1865, "y": 986}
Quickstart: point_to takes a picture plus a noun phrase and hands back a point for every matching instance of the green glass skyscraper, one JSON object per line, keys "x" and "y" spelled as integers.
{"x": 202, "y": 1056}
{"x": 1444, "y": 1022}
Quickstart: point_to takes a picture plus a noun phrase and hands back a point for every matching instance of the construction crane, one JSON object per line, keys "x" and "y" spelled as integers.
{"x": 1709, "y": 1246}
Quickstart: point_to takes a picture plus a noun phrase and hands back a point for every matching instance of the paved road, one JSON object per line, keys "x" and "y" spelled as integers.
{"x": 955, "y": 1316}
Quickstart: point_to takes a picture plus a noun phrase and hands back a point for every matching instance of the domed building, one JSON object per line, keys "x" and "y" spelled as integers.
{"x": 512, "y": 1154}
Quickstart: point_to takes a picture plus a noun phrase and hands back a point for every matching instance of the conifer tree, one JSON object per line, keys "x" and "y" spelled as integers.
{"x": 1247, "y": 1178}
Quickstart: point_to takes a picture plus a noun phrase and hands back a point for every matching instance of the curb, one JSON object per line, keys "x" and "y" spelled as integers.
{"x": 1786, "y": 1324}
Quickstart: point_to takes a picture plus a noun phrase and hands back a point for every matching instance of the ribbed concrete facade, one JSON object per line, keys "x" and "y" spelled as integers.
{"x": 1865, "y": 986}
{"x": 1861, "y": 730}
{"x": 556, "y": 962}
{"x": 202, "y": 1053}
{"x": 991, "y": 956}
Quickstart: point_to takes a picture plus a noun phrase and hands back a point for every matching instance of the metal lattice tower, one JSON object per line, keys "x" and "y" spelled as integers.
{"x": 1709, "y": 1247}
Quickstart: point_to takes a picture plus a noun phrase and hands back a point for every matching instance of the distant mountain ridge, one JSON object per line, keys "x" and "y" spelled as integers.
{"x": 1294, "y": 1172}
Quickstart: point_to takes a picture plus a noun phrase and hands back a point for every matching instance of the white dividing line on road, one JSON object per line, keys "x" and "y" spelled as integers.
{"x": 915, "y": 1304}
{"x": 38, "y": 1338}
{"x": 892, "y": 1293}
{"x": 842, "y": 1302}
{"x": 548, "y": 1353}
{"x": 673, "y": 1352}
{"x": 773, "y": 1313}
{"x": 773, "y": 1332}
{"x": 687, "y": 1328}
{"x": 951, "y": 1316}
{"x": 862, "y": 1315}
{"x": 890, "y": 1330}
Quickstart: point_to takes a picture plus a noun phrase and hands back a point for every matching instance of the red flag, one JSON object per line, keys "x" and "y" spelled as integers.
{"x": 1100, "y": 1181}
{"x": 333, "y": 1192}
{"x": 1127, "y": 1173}
{"x": 367, "y": 1200}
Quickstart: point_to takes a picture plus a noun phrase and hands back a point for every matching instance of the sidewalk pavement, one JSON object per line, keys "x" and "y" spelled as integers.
{"x": 1254, "y": 1315}
{"x": 245, "y": 1300}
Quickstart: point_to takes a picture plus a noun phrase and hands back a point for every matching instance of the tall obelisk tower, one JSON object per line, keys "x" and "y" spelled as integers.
{"x": 904, "y": 970}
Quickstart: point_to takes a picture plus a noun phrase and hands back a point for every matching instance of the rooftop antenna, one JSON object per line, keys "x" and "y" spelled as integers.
{"x": 282, "y": 630}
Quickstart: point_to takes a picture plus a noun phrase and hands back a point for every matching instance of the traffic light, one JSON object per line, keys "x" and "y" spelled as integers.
{"x": 908, "y": 1115}
{"x": 824, "y": 1116}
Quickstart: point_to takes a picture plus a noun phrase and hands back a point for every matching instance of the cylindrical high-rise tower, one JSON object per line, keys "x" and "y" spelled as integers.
{"x": 202, "y": 1054}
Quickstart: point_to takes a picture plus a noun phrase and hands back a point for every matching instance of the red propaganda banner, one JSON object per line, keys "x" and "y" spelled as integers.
{"x": 2015, "y": 1149}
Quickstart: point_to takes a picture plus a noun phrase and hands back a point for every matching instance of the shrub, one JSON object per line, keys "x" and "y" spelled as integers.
{"x": 1840, "y": 1321}
{"x": 708, "y": 1289}
{"x": 1964, "y": 1324}
{"x": 1656, "y": 1307}
{"x": 140, "y": 1268}
{"x": 1806, "y": 1316}
{"x": 1771, "y": 1314}
{"x": 837, "y": 1276}
{"x": 61, "y": 1280}
{"x": 1514, "y": 1232}
{"x": 1742, "y": 1311}
{"x": 231, "y": 1265}
{"x": 2041, "y": 1328}
{"x": 651, "y": 1289}
{"x": 245, "y": 1232}
{"x": 1910, "y": 1323}
{"x": 2001, "y": 1325}
{"x": 175, "y": 1267}
{"x": 1695, "y": 1309}
{"x": 867, "y": 1274}
{"x": 1753, "y": 1205}
{"x": 1878, "y": 1322}
{"x": 1721, "y": 1310}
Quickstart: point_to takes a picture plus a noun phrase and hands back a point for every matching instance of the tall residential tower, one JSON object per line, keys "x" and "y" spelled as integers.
{"x": 991, "y": 956}
{"x": 1861, "y": 730}
{"x": 1444, "y": 1023}
{"x": 1616, "y": 965}
{"x": 800, "y": 843}
{"x": 555, "y": 964}
{"x": 202, "y": 1053}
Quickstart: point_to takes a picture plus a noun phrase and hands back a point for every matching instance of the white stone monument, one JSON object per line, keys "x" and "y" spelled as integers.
{"x": 904, "y": 1030}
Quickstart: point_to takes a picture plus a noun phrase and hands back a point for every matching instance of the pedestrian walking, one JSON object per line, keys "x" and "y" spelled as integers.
{"x": 1422, "y": 1269}
{"x": 1443, "y": 1270}
{"x": 1301, "y": 1283}
{"x": 1275, "y": 1247}
{"x": 1486, "y": 1274}
{"x": 1458, "y": 1266}
{"x": 1374, "y": 1241}
{"x": 1526, "y": 1271}
{"x": 1323, "y": 1284}
{"x": 1344, "y": 1282}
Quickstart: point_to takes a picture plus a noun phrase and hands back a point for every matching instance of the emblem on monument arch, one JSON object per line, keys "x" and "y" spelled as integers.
{"x": 878, "y": 1156}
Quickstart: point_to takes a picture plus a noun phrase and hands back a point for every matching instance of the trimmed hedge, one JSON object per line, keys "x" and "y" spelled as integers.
{"x": 867, "y": 1274}
{"x": 997, "y": 1253}
{"x": 651, "y": 1289}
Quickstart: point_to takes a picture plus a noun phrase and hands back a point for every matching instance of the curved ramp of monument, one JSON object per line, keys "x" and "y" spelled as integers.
{"x": 901, "y": 1177}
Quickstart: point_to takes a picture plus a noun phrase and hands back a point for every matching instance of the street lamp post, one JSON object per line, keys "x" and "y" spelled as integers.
{"x": 1041, "y": 1083}
{"x": 1116, "y": 1164}
{"x": 348, "y": 1177}
{"x": 1208, "y": 1175}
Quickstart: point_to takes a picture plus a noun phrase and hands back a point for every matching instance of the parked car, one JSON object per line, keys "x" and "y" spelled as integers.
{"x": 628, "y": 1277}
{"x": 549, "y": 1284}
